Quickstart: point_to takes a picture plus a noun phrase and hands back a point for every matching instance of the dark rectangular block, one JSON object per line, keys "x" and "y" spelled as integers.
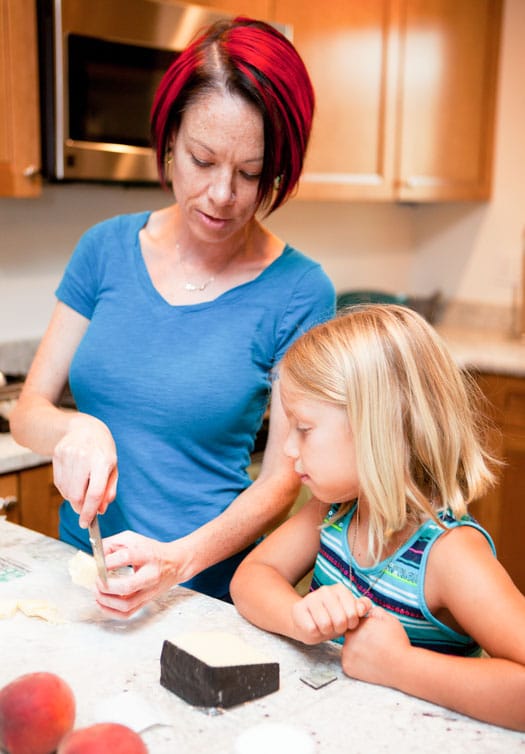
{"x": 196, "y": 673}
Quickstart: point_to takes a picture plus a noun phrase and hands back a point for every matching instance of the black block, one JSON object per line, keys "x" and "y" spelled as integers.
{"x": 187, "y": 671}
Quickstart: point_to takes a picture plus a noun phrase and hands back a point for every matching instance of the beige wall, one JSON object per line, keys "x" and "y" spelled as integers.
{"x": 470, "y": 251}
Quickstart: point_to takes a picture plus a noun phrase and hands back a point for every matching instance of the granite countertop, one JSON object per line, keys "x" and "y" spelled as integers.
{"x": 13, "y": 457}
{"x": 113, "y": 668}
{"x": 485, "y": 350}
{"x": 483, "y": 343}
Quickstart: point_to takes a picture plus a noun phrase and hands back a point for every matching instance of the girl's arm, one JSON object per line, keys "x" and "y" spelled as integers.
{"x": 466, "y": 583}
{"x": 83, "y": 451}
{"x": 263, "y": 586}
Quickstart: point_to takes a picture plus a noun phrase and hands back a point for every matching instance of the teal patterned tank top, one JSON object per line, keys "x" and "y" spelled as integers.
{"x": 397, "y": 583}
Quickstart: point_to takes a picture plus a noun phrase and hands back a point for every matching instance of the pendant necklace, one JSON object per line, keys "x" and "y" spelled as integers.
{"x": 372, "y": 583}
{"x": 199, "y": 287}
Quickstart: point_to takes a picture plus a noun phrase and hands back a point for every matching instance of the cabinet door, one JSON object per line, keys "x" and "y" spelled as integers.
{"x": 449, "y": 51}
{"x": 502, "y": 511}
{"x": 40, "y": 500}
{"x": 19, "y": 108}
{"x": 252, "y": 8}
{"x": 350, "y": 49}
{"x": 9, "y": 498}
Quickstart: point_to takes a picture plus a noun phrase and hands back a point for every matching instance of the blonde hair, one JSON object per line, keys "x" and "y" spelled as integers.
{"x": 415, "y": 416}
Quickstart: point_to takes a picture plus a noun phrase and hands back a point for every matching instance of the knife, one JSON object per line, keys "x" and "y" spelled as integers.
{"x": 98, "y": 552}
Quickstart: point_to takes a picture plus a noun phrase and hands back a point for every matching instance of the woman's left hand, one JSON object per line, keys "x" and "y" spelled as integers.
{"x": 374, "y": 649}
{"x": 154, "y": 570}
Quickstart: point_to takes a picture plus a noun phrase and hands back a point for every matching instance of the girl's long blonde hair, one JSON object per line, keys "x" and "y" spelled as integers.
{"x": 418, "y": 429}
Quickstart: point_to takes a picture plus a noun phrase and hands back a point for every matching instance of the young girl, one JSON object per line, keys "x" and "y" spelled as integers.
{"x": 384, "y": 432}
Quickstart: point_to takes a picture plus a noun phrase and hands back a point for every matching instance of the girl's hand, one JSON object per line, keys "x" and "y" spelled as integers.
{"x": 327, "y": 613}
{"x": 85, "y": 467}
{"x": 154, "y": 570}
{"x": 375, "y": 648}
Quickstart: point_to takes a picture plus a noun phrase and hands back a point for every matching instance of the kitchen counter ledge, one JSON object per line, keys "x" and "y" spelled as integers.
{"x": 481, "y": 349}
{"x": 102, "y": 659}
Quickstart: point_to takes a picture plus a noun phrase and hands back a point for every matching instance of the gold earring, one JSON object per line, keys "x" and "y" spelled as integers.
{"x": 277, "y": 182}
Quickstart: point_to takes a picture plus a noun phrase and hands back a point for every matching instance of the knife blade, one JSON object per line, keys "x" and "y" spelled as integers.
{"x": 98, "y": 552}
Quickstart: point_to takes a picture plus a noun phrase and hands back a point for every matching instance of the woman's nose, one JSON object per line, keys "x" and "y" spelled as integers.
{"x": 222, "y": 189}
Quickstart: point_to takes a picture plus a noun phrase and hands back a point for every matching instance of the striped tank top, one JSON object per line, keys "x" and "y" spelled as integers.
{"x": 397, "y": 582}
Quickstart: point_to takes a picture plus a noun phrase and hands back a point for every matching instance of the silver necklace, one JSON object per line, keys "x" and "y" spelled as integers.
{"x": 372, "y": 583}
{"x": 198, "y": 287}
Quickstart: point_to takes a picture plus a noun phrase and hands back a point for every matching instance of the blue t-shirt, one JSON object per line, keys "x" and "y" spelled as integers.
{"x": 183, "y": 389}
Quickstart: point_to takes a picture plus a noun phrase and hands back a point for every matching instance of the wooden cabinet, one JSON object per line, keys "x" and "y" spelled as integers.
{"x": 32, "y": 499}
{"x": 19, "y": 106}
{"x": 9, "y": 498}
{"x": 502, "y": 511}
{"x": 252, "y": 9}
{"x": 405, "y": 97}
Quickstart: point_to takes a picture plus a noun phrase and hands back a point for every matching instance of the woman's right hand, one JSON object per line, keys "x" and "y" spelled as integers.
{"x": 326, "y": 613}
{"x": 85, "y": 467}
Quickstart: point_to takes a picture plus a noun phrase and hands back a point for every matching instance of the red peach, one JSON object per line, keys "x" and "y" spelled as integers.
{"x": 36, "y": 711}
{"x": 103, "y": 738}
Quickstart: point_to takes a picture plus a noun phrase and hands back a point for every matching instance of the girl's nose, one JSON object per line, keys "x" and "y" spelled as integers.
{"x": 290, "y": 448}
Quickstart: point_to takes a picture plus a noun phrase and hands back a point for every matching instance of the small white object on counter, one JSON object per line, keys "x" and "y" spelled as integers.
{"x": 274, "y": 738}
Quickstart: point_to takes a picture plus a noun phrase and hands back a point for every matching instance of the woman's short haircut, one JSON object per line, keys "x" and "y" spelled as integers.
{"x": 255, "y": 61}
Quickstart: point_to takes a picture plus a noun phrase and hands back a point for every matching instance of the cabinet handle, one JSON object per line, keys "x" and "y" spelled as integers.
{"x": 31, "y": 171}
{"x": 8, "y": 502}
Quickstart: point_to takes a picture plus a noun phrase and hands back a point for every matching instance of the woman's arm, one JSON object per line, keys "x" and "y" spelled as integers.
{"x": 82, "y": 448}
{"x": 468, "y": 583}
{"x": 253, "y": 513}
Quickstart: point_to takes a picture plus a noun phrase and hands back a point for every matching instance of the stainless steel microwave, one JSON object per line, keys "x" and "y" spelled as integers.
{"x": 100, "y": 64}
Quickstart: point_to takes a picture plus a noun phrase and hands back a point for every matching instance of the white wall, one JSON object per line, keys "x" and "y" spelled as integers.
{"x": 470, "y": 251}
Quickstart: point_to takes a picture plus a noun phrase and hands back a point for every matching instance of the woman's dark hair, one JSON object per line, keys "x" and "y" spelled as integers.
{"x": 255, "y": 61}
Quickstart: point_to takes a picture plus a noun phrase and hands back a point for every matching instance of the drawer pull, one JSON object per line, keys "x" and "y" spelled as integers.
{"x": 8, "y": 502}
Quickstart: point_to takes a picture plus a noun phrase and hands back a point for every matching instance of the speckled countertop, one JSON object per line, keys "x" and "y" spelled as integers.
{"x": 485, "y": 350}
{"x": 114, "y": 666}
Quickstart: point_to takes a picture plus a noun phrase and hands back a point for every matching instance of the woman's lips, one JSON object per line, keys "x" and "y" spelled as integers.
{"x": 214, "y": 222}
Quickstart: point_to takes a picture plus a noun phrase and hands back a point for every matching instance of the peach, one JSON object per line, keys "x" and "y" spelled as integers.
{"x": 103, "y": 738}
{"x": 36, "y": 711}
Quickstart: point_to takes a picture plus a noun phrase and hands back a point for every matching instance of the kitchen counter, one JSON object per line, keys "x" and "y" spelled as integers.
{"x": 107, "y": 661}
{"x": 13, "y": 457}
{"x": 474, "y": 347}
{"x": 485, "y": 350}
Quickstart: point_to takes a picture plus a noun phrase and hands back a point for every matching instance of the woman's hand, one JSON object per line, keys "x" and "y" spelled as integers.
{"x": 154, "y": 571}
{"x": 374, "y": 649}
{"x": 327, "y": 613}
{"x": 85, "y": 467}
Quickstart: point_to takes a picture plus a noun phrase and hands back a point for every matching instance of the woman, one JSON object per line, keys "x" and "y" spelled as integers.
{"x": 169, "y": 323}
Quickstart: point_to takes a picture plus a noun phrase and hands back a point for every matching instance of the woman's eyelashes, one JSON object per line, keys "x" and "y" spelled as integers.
{"x": 208, "y": 164}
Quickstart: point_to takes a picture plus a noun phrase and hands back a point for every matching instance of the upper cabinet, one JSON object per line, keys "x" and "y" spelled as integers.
{"x": 253, "y": 8}
{"x": 405, "y": 94}
{"x": 19, "y": 109}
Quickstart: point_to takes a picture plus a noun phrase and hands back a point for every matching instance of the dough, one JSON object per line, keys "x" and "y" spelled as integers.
{"x": 8, "y": 608}
{"x": 33, "y": 608}
{"x": 83, "y": 570}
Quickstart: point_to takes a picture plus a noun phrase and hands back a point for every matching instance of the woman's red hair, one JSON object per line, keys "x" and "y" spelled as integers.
{"x": 255, "y": 61}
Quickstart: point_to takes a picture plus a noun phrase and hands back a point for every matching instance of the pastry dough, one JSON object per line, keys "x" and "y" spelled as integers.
{"x": 33, "y": 608}
{"x": 83, "y": 570}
